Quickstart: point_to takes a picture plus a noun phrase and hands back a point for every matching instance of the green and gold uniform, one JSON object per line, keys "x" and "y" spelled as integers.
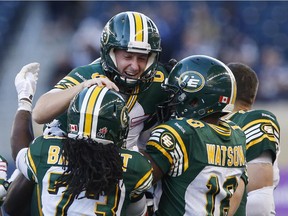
{"x": 44, "y": 165}
{"x": 262, "y": 134}
{"x": 202, "y": 165}
{"x": 142, "y": 106}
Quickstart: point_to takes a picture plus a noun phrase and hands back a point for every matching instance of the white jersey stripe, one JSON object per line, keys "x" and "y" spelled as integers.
{"x": 252, "y": 128}
{"x": 254, "y": 137}
{"x": 252, "y": 133}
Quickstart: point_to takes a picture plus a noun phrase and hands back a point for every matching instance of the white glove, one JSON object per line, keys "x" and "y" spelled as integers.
{"x": 25, "y": 83}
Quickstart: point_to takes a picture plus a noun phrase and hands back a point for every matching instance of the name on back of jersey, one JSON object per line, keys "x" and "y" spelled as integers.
{"x": 228, "y": 156}
{"x": 54, "y": 157}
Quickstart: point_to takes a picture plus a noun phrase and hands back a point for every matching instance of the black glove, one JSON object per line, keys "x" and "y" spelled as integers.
{"x": 171, "y": 63}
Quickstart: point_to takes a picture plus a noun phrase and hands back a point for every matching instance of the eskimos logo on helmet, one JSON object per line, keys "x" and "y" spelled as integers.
{"x": 191, "y": 81}
{"x": 124, "y": 117}
{"x": 105, "y": 36}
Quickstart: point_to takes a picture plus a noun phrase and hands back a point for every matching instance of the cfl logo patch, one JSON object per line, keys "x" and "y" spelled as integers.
{"x": 167, "y": 141}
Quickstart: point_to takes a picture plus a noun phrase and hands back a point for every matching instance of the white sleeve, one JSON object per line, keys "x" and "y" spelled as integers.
{"x": 144, "y": 137}
{"x": 138, "y": 208}
{"x": 263, "y": 199}
{"x": 21, "y": 162}
{"x": 276, "y": 173}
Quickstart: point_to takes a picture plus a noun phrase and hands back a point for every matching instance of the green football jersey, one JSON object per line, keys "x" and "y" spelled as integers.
{"x": 44, "y": 166}
{"x": 141, "y": 106}
{"x": 262, "y": 134}
{"x": 202, "y": 165}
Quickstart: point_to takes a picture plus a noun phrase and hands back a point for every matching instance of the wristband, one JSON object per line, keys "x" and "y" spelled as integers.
{"x": 25, "y": 105}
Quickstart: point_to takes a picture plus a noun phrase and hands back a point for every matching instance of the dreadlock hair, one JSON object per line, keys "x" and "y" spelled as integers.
{"x": 90, "y": 166}
{"x": 247, "y": 82}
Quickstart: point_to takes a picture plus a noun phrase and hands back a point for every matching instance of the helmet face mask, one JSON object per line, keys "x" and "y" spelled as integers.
{"x": 201, "y": 86}
{"x": 100, "y": 114}
{"x": 135, "y": 33}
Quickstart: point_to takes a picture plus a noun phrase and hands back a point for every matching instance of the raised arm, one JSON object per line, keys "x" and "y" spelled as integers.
{"x": 56, "y": 101}
{"x": 22, "y": 131}
{"x": 22, "y": 134}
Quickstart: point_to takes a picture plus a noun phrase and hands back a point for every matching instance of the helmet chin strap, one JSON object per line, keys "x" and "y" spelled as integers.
{"x": 151, "y": 59}
{"x": 112, "y": 56}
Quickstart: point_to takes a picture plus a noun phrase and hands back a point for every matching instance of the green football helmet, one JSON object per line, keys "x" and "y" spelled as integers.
{"x": 200, "y": 86}
{"x": 133, "y": 32}
{"x": 100, "y": 114}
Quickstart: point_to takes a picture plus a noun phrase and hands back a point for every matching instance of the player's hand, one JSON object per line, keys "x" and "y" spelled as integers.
{"x": 25, "y": 83}
{"x": 101, "y": 81}
{"x": 170, "y": 64}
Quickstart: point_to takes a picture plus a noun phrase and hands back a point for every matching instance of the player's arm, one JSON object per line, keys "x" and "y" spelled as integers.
{"x": 262, "y": 140}
{"x": 260, "y": 187}
{"x": 56, "y": 101}
{"x": 158, "y": 155}
{"x": 157, "y": 172}
{"x": 236, "y": 198}
{"x": 17, "y": 201}
{"x": 137, "y": 208}
{"x": 21, "y": 136}
{"x": 22, "y": 130}
{"x": 260, "y": 172}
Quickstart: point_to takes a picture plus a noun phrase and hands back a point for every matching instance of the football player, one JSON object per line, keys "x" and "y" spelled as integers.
{"x": 262, "y": 144}
{"x": 130, "y": 49}
{"x": 87, "y": 172}
{"x": 199, "y": 157}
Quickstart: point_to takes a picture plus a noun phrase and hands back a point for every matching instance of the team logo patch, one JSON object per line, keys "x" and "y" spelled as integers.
{"x": 124, "y": 118}
{"x": 167, "y": 141}
{"x": 268, "y": 129}
{"x": 191, "y": 81}
{"x": 105, "y": 35}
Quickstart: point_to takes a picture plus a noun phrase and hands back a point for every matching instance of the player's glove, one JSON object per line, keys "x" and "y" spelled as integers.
{"x": 170, "y": 64}
{"x": 25, "y": 83}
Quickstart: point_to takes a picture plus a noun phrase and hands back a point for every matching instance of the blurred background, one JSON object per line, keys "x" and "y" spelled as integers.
{"x": 63, "y": 35}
